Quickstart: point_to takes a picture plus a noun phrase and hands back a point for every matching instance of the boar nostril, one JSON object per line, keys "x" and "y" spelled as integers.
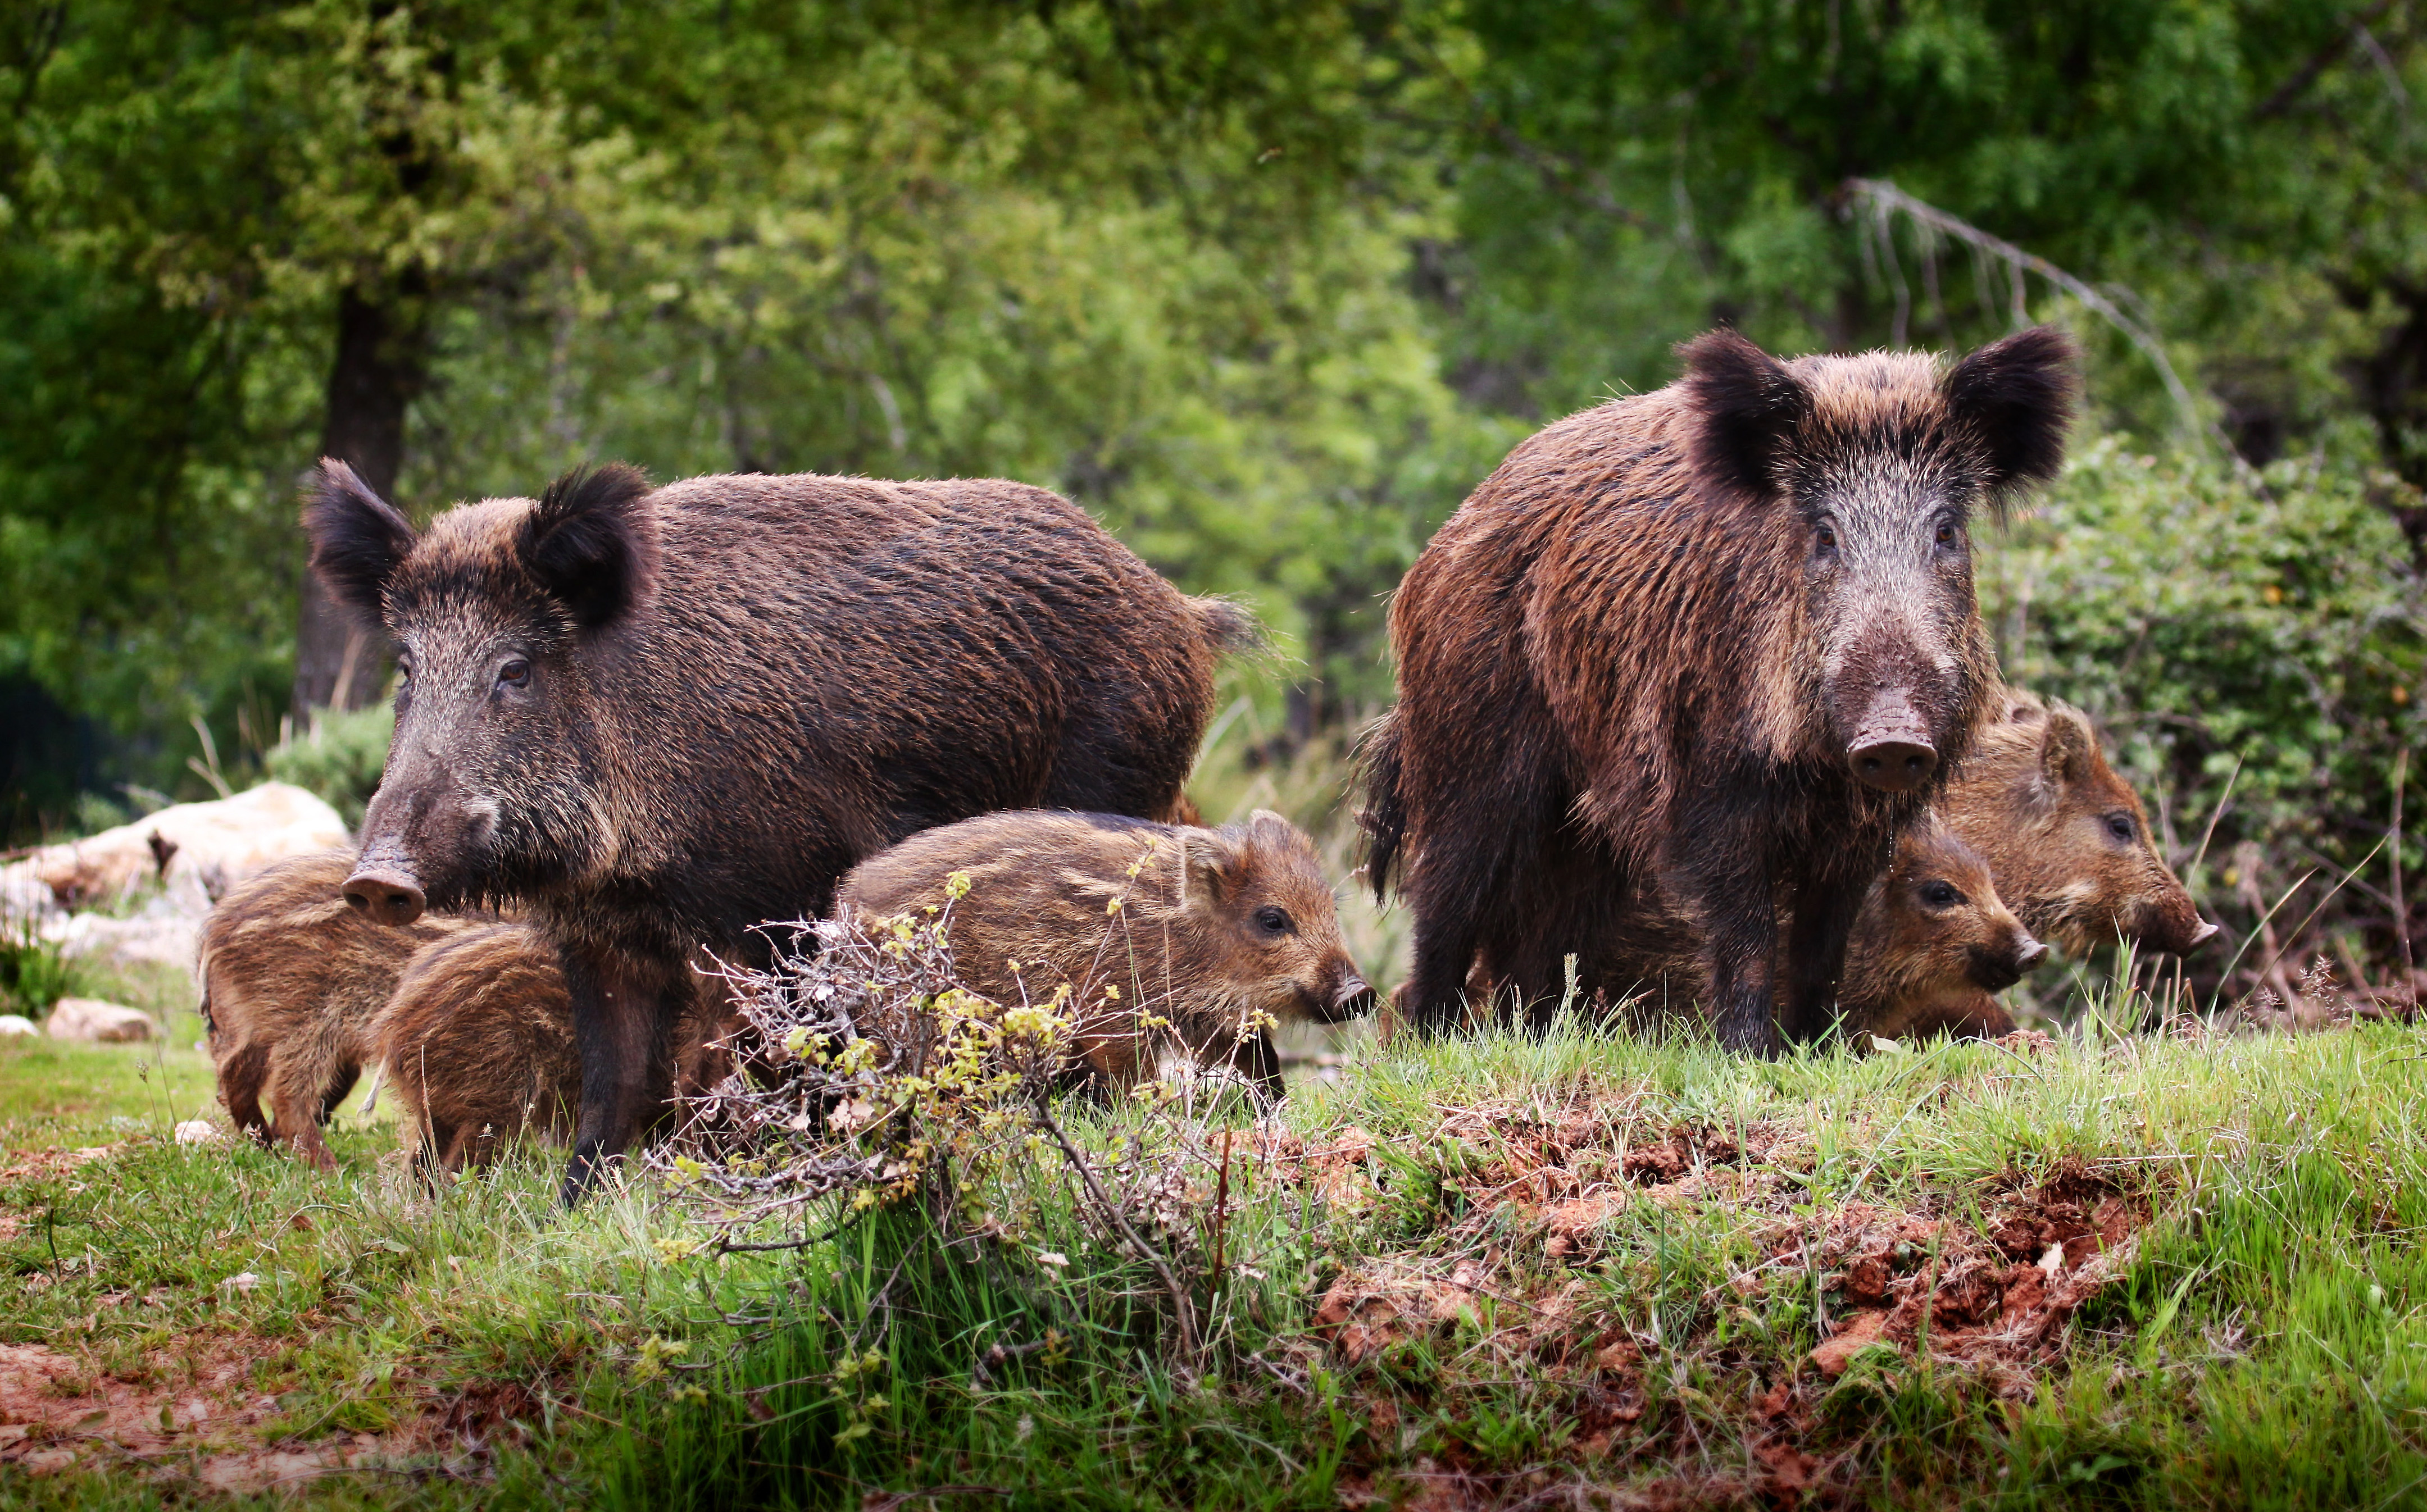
{"x": 389, "y": 897}
{"x": 1892, "y": 765}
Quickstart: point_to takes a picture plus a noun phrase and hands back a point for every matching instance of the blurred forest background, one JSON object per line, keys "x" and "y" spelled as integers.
{"x": 1266, "y": 287}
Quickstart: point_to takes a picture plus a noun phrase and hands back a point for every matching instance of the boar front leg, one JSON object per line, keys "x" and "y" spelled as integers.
{"x": 623, "y": 1006}
{"x": 1726, "y": 883}
{"x": 1821, "y": 919}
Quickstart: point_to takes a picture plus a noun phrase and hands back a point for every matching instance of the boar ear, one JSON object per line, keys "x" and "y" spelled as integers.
{"x": 2014, "y": 398}
{"x": 1208, "y": 865}
{"x": 2068, "y": 748}
{"x": 1748, "y": 405}
{"x": 590, "y": 543}
{"x": 358, "y": 541}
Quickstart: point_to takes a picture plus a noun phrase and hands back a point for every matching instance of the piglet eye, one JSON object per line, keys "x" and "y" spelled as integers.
{"x": 1271, "y": 919}
{"x": 514, "y": 673}
{"x": 2120, "y": 826}
{"x": 1940, "y": 895}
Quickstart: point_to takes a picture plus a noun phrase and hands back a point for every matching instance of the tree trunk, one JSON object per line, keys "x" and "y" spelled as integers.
{"x": 383, "y": 356}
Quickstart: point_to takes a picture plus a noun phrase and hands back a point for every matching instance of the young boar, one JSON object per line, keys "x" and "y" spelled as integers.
{"x": 478, "y": 1044}
{"x": 1702, "y": 649}
{"x": 292, "y": 979}
{"x": 660, "y": 716}
{"x": 1224, "y": 931}
{"x": 2066, "y": 839}
{"x": 1931, "y": 941}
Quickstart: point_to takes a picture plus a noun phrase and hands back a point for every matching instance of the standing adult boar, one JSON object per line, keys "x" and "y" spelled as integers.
{"x": 660, "y": 716}
{"x": 1709, "y": 646}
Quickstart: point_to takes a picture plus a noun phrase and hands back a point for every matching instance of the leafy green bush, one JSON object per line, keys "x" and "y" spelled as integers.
{"x": 2262, "y": 633}
{"x": 339, "y": 757}
{"x": 34, "y": 974}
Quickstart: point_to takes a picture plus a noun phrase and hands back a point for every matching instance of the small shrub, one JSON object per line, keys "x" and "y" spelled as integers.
{"x": 34, "y": 972}
{"x": 339, "y": 757}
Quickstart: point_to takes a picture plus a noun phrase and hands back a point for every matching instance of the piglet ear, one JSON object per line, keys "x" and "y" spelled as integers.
{"x": 358, "y": 539}
{"x": 592, "y": 543}
{"x": 2068, "y": 748}
{"x": 1748, "y": 406}
{"x": 2014, "y": 400}
{"x": 1209, "y": 864}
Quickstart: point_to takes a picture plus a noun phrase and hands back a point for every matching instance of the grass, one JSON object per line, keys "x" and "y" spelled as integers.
{"x": 1479, "y": 1272}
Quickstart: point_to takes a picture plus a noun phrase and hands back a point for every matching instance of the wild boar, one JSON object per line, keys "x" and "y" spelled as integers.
{"x": 1931, "y": 941}
{"x": 478, "y": 1043}
{"x": 660, "y": 716}
{"x": 1707, "y": 647}
{"x": 1225, "y": 932}
{"x": 292, "y": 978}
{"x": 2066, "y": 838}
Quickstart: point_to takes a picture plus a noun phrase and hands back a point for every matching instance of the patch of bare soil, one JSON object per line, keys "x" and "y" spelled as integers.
{"x": 192, "y": 1415}
{"x": 50, "y": 1164}
{"x": 1985, "y": 1288}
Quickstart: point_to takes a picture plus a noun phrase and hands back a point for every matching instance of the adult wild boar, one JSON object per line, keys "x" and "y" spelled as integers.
{"x": 1222, "y": 933}
{"x": 1709, "y": 646}
{"x": 660, "y": 716}
{"x": 2066, "y": 838}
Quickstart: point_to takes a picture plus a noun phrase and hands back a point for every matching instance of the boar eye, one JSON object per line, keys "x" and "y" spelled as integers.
{"x": 1272, "y": 920}
{"x": 1824, "y": 538}
{"x": 514, "y": 673}
{"x": 1940, "y": 895}
{"x": 2122, "y": 827}
{"x": 1945, "y": 533}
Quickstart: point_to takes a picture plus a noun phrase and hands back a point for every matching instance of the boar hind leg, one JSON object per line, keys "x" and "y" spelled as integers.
{"x": 623, "y": 1010}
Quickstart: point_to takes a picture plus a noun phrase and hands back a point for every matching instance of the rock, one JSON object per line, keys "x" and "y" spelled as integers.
{"x": 199, "y": 1131}
{"x": 215, "y": 844}
{"x": 14, "y": 1025}
{"x": 166, "y": 937}
{"x": 89, "y": 1019}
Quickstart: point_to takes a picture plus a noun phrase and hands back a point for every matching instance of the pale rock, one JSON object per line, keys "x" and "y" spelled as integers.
{"x": 215, "y": 844}
{"x": 15, "y": 1025}
{"x": 91, "y": 1019}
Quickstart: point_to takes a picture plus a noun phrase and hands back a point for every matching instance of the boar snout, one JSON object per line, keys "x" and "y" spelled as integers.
{"x": 384, "y": 887}
{"x": 1892, "y": 749}
{"x": 1996, "y": 969}
{"x": 1352, "y": 998}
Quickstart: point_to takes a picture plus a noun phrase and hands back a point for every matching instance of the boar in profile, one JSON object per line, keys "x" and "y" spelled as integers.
{"x": 660, "y": 716}
{"x": 1225, "y": 932}
{"x": 477, "y": 1042}
{"x": 1931, "y": 941}
{"x": 1707, "y": 649}
{"x": 292, "y": 979}
{"x": 2066, "y": 838}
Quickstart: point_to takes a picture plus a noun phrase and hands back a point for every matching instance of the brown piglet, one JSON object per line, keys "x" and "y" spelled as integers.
{"x": 1224, "y": 933}
{"x": 1931, "y": 941}
{"x": 478, "y": 1043}
{"x": 292, "y": 978}
{"x": 2066, "y": 838}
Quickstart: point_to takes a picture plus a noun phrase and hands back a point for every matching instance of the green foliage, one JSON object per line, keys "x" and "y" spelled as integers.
{"x": 339, "y": 757}
{"x": 34, "y": 972}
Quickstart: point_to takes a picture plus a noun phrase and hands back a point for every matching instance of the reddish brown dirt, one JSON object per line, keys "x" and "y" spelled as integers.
{"x": 191, "y": 1413}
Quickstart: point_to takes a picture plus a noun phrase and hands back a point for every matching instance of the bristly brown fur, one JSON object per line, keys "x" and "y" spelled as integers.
{"x": 1631, "y": 664}
{"x": 357, "y": 539}
{"x": 294, "y": 979}
{"x": 1174, "y": 920}
{"x": 658, "y": 718}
